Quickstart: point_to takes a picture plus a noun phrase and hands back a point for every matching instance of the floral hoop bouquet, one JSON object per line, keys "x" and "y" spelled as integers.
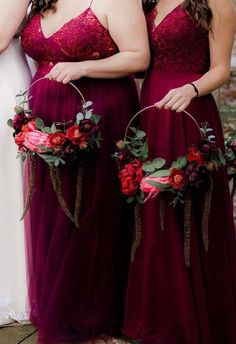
{"x": 61, "y": 143}
{"x": 142, "y": 179}
{"x": 230, "y": 155}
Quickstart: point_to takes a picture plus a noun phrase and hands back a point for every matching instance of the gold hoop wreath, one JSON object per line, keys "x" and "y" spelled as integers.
{"x": 60, "y": 144}
{"x": 143, "y": 179}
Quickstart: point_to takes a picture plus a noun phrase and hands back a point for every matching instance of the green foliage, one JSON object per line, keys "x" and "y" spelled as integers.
{"x": 10, "y": 123}
{"x": 39, "y": 123}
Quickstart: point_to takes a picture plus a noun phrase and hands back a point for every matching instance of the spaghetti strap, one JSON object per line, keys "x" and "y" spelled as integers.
{"x": 90, "y": 3}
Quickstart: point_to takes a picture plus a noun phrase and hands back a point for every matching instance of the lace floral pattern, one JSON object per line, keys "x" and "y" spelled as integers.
{"x": 176, "y": 40}
{"x": 86, "y": 39}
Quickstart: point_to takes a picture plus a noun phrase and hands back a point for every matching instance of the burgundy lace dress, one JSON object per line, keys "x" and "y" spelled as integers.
{"x": 77, "y": 277}
{"x": 167, "y": 302}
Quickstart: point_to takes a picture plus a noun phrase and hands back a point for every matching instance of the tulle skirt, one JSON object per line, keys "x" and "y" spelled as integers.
{"x": 14, "y": 76}
{"x": 77, "y": 277}
{"x": 167, "y": 302}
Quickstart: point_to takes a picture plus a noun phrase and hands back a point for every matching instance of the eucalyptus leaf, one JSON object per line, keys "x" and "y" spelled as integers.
{"x": 18, "y": 109}
{"x": 133, "y": 129}
{"x": 211, "y": 138}
{"x": 87, "y": 104}
{"x": 53, "y": 128}
{"x": 46, "y": 130}
{"x": 62, "y": 161}
{"x": 230, "y": 155}
{"x": 79, "y": 117}
{"x": 222, "y": 160}
{"x": 148, "y": 166}
{"x": 155, "y": 184}
{"x": 39, "y": 123}
{"x": 130, "y": 199}
{"x": 181, "y": 161}
{"x": 161, "y": 173}
{"x": 95, "y": 118}
{"x": 140, "y": 197}
{"x": 144, "y": 151}
{"x": 46, "y": 149}
{"x": 88, "y": 114}
{"x": 140, "y": 134}
{"x": 158, "y": 163}
{"x": 57, "y": 162}
{"x": 48, "y": 157}
{"x": 28, "y": 111}
{"x": 10, "y": 123}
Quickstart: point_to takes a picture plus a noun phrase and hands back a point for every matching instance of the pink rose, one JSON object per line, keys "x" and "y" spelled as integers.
{"x": 35, "y": 138}
{"x": 153, "y": 191}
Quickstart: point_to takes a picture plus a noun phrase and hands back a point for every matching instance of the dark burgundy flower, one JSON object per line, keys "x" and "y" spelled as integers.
{"x": 197, "y": 176}
{"x": 18, "y": 120}
{"x": 87, "y": 126}
{"x": 204, "y": 146}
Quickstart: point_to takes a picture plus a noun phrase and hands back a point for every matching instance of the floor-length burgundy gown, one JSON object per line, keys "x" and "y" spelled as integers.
{"x": 77, "y": 277}
{"x": 168, "y": 302}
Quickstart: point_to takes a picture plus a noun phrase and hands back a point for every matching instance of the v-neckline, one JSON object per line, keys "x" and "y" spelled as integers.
{"x": 166, "y": 16}
{"x": 62, "y": 26}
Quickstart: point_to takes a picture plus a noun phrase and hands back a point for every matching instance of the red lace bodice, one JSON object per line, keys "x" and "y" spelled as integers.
{"x": 81, "y": 38}
{"x": 178, "y": 43}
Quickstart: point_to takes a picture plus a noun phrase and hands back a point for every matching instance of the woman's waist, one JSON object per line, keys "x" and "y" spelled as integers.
{"x": 173, "y": 74}
{"x": 162, "y": 81}
{"x": 85, "y": 82}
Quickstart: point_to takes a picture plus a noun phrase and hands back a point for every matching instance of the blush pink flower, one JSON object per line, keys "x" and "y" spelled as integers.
{"x": 34, "y": 139}
{"x": 152, "y": 191}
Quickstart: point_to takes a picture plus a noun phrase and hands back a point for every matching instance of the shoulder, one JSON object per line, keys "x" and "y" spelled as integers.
{"x": 222, "y": 7}
{"x": 120, "y": 4}
{"x": 224, "y": 12}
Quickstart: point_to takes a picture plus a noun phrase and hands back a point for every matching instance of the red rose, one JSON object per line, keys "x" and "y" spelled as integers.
{"x": 29, "y": 126}
{"x": 194, "y": 155}
{"x": 75, "y": 136}
{"x": 177, "y": 178}
{"x": 131, "y": 176}
{"x": 19, "y": 139}
{"x": 56, "y": 139}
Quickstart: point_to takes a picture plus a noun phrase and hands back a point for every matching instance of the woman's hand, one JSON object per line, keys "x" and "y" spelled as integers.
{"x": 177, "y": 99}
{"x": 66, "y": 71}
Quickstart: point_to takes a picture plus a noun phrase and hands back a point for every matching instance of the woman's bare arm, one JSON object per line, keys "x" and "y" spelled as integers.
{"x": 221, "y": 40}
{"x": 127, "y": 27}
{"x": 12, "y": 14}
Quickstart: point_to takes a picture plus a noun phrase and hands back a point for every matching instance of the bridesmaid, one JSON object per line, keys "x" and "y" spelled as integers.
{"x": 173, "y": 297}
{"x": 77, "y": 277}
{"x": 14, "y": 76}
